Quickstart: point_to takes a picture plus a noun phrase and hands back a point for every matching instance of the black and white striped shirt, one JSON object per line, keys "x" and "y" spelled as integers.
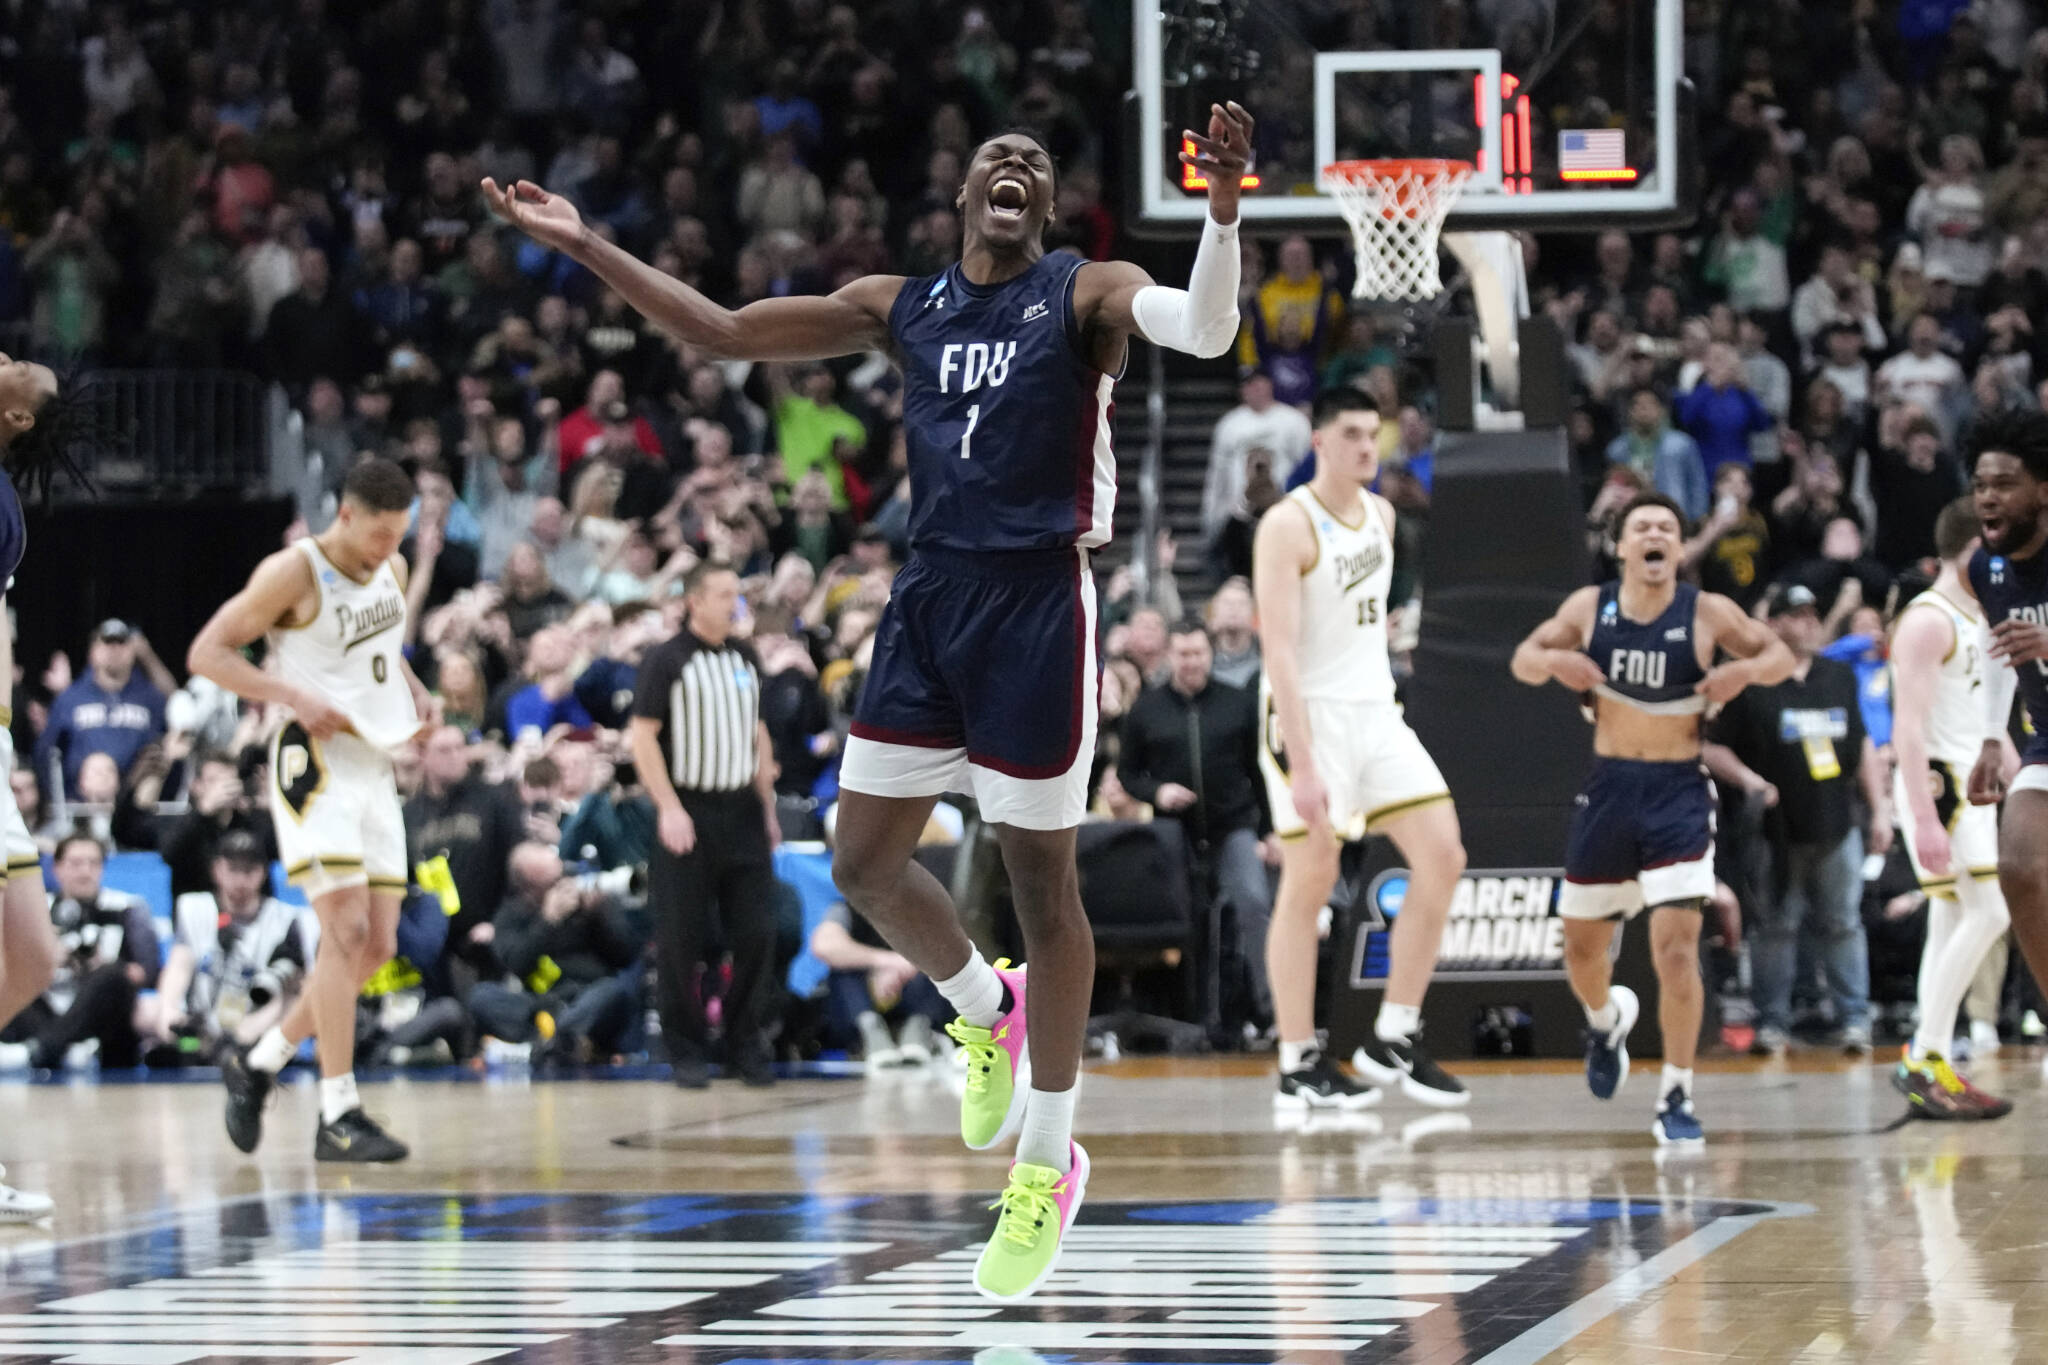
{"x": 708, "y": 700}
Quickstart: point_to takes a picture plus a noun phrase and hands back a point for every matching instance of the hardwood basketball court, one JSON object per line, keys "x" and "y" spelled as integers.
{"x": 836, "y": 1219}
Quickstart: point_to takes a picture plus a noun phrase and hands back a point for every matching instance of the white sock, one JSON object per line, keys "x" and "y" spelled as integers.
{"x": 271, "y": 1051}
{"x": 1048, "y": 1135}
{"x": 1295, "y": 1056}
{"x": 1959, "y": 933}
{"x": 1397, "y": 1023}
{"x": 1606, "y": 1017}
{"x": 15, "y": 1056}
{"x": 338, "y": 1096}
{"x": 1680, "y": 1076}
{"x": 976, "y": 991}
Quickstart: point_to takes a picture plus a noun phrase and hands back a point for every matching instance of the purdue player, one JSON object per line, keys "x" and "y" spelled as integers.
{"x": 984, "y": 667}
{"x": 1642, "y": 832}
{"x": 1341, "y": 763}
{"x": 332, "y": 608}
{"x": 1937, "y": 667}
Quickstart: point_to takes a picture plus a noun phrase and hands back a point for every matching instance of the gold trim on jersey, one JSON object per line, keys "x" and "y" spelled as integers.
{"x": 1413, "y": 803}
{"x": 314, "y": 541}
{"x": 397, "y": 884}
{"x": 1364, "y": 498}
{"x": 326, "y": 866}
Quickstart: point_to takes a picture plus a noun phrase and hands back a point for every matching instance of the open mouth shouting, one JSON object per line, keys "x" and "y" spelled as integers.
{"x": 1009, "y": 198}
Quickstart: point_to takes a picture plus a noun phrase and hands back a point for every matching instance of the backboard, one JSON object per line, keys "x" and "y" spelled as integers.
{"x": 1575, "y": 113}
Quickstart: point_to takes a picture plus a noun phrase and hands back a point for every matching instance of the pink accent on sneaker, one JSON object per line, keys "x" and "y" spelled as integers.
{"x": 1008, "y": 1033}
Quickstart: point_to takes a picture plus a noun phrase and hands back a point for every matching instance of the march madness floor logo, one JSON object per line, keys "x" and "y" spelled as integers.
{"x": 427, "y": 1280}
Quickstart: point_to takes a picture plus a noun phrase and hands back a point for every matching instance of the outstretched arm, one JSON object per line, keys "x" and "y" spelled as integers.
{"x": 1120, "y": 298}
{"x": 854, "y": 319}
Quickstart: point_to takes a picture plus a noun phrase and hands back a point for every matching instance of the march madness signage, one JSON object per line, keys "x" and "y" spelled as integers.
{"x": 1503, "y": 926}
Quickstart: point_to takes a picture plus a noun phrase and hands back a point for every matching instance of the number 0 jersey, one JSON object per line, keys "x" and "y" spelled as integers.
{"x": 1341, "y": 641}
{"x": 350, "y": 652}
{"x": 1006, "y": 418}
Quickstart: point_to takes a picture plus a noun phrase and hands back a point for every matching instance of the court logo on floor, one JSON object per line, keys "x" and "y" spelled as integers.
{"x": 428, "y": 1280}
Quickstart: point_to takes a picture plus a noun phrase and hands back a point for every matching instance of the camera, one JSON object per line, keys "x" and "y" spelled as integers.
{"x": 621, "y": 882}
{"x": 272, "y": 982}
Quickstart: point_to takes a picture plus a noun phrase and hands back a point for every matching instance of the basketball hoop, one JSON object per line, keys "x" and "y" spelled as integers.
{"x": 1396, "y": 209}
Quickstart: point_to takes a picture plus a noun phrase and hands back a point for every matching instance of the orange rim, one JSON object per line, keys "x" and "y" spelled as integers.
{"x": 1411, "y": 177}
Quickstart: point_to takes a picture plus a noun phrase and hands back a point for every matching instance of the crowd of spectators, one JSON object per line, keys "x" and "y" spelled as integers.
{"x": 273, "y": 190}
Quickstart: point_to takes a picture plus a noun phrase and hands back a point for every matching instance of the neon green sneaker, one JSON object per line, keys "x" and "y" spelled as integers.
{"x": 1038, "y": 1206}
{"x": 998, "y": 1069}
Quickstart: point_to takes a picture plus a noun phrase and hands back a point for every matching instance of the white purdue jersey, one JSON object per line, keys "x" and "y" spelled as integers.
{"x": 1341, "y": 646}
{"x": 351, "y": 651}
{"x": 1955, "y": 719}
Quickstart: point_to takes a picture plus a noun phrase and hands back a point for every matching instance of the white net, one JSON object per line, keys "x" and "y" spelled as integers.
{"x": 1396, "y": 210}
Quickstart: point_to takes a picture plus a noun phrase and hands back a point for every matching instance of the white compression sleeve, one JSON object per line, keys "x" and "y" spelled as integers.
{"x": 1201, "y": 319}
{"x": 2000, "y": 682}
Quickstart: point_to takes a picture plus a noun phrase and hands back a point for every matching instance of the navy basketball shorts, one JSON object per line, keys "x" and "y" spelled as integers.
{"x": 983, "y": 682}
{"x": 1641, "y": 834}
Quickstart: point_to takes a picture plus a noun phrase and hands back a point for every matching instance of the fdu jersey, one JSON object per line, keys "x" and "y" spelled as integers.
{"x": 1652, "y": 666}
{"x": 13, "y": 533}
{"x": 2018, "y": 587}
{"x": 1005, "y": 415}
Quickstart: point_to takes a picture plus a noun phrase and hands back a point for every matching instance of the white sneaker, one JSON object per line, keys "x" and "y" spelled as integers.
{"x": 878, "y": 1048}
{"x": 1983, "y": 1037}
{"x": 19, "y": 1206}
{"x": 915, "y": 1042}
{"x": 2031, "y": 1027}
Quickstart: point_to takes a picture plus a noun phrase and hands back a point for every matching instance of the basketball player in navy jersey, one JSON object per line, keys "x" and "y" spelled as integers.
{"x": 984, "y": 671}
{"x": 31, "y": 445}
{"x": 2009, "y": 575}
{"x": 1642, "y": 832}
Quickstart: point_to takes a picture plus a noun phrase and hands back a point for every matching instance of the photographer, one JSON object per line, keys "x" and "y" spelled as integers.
{"x": 563, "y": 939}
{"x": 612, "y": 827}
{"x": 239, "y": 954}
{"x": 475, "y": 826}
{"x": 218, "y": 805}
{"x": 109, "y": 953}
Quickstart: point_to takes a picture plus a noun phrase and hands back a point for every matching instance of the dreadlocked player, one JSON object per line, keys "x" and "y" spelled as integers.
{"x": 31, "y": 446}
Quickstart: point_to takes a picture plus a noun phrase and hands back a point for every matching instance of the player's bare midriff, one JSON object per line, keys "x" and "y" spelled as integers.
{"x": 1622, "y": 731}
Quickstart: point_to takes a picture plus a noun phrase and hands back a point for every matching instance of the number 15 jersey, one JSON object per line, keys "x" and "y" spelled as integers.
{"x": 1341, "y": 639}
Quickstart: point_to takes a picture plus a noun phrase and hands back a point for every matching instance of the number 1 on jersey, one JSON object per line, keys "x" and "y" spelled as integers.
{"x": 967, "y": 436}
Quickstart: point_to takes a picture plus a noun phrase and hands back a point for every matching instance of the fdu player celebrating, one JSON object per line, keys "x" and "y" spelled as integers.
{"x": 2009, "y": 575}
{"x": 1642, "y": 832}
{"x": 984, "y": 669}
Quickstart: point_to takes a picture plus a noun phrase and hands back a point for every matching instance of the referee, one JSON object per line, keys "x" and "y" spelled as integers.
{"x": 703, "y": 756}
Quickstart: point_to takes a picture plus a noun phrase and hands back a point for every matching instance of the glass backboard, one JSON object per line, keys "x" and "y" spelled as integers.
{"x": 1574, "y": 113}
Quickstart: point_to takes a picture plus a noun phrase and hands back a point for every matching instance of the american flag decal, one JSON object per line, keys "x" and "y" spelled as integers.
{"x": 1593, "y": 154}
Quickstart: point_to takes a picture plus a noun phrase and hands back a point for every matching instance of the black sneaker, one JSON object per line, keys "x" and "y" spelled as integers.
{"x": 690, "y": 1073}
{"x": 248, "y": 1090}
{"x": 755, "y": 1064}
{"x": 356, "y": 1137}
{"x": 1406, "y": 1064}
{"x": 1318, "y": 1084}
